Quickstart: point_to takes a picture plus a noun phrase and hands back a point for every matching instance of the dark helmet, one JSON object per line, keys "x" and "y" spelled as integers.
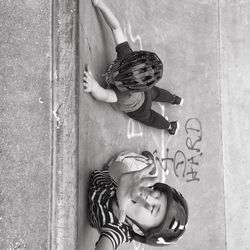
{"x": 173, "y": 225}
{"x": 139, "y": 71}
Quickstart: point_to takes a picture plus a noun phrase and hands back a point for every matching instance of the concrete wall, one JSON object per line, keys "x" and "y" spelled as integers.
{"x": 235, "y": 102}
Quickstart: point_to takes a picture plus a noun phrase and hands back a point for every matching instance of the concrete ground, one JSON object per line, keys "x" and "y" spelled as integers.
{"x": 193, "y": 40}
{"x": 25, "y": 164}
{"x": 53, "y": 134}
{"x": 185, "y": 36}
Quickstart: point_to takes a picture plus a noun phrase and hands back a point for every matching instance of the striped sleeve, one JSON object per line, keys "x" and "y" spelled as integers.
{"x": 118, "y": 234}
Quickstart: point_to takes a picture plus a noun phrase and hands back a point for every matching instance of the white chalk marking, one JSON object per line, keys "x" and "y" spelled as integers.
{"x": 134, "y": 129}
{"x": 134, "y": 38}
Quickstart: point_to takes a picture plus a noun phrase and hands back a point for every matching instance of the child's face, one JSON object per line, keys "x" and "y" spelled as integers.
{"x": 151, "y": 217}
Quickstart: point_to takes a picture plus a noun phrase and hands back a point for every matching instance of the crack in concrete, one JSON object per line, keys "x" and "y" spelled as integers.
{"x": 86, "y": 38}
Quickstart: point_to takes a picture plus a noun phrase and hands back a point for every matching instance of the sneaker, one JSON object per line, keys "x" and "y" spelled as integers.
{"x": 178, "y": 101}
{"x": 173, "y": 128}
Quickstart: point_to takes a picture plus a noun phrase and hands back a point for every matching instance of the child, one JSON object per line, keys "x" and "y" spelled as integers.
{"x": 131, "y": 79}
{"x": 155, "y": 213}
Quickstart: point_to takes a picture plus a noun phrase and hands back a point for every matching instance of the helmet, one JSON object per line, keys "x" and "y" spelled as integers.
{"x": 139, "y": 71}
{"x": 173, "y": 225}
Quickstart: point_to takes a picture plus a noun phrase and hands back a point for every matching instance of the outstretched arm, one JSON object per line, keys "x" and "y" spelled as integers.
{"x": 111, "y": 20}
{"x": 133, "y": 185}
{"x": 90, "y": 85}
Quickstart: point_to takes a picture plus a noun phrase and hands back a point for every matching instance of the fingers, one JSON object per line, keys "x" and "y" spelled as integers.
{"x": 85, "y": 84}
{"x": 153, "y": 169}
{"x": 149, "y": 181}
{"x": 86, "y": 78}
{"x": 146, "y": 192}
{"x": 87, "y": 73}
{"x": 87, "y": 70}
{"x": 148, "y": 171}
{"x": 142, "y": 202}
{"x": 143, "y": 196}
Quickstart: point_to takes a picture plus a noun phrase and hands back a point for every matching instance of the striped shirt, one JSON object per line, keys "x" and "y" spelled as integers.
{"x": 102, "y": 193}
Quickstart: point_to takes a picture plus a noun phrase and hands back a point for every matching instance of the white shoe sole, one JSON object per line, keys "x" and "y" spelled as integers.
{"x": 177, "y": 129}
{"x": 182, "y": 101}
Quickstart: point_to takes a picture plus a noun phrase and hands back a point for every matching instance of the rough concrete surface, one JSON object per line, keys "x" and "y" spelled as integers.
{"x": 204, "y": 46}
{"x": 185, "y": 36}
{"x": 63, "y": 226}
{"x": 235, "y": 93}
{"x": 24, "y": 124}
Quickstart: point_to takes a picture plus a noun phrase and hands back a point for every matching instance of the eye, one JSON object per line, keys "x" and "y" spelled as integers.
{"x": 133, "y": 201}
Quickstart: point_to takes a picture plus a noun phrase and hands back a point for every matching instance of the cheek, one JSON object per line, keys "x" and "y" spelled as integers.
{"x": 132, "y": 210}
{"x": 138, "y": 213}
{"x": 142, "y": 213}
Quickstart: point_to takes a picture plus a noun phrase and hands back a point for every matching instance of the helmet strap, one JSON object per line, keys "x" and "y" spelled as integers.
{"x": 139, "y": 233}
{"x": 136, "y": 228}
